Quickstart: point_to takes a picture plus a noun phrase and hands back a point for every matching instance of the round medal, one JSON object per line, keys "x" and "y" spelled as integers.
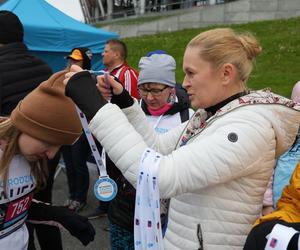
{"x": 105, "y": 189}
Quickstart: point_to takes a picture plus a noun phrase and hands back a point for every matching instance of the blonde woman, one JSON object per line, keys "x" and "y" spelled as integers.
{"x": 43, "y": 121}
{"x": 215, "y": 168}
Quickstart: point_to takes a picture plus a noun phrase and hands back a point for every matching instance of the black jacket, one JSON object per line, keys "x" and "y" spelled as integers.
{"x": 20, "y": 73}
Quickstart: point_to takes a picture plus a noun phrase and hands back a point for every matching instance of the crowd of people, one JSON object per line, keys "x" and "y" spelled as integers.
{"x": 197, "y": 165}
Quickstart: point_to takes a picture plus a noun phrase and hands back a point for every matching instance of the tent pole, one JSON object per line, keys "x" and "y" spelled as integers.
{"x": 110, "y": 6}
{"x": 102, "y": 12}
{"x": 85, "y": 11}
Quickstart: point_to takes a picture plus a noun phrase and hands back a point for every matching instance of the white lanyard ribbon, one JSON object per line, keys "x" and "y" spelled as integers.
{"x": 157, "y": 122}
{"x": 99, "y": 162}
{"x": 103, "y": 156}
{"x": 147, "y": 224}
{"x": 105, "y": 188}
{"x": 280, "y": 237}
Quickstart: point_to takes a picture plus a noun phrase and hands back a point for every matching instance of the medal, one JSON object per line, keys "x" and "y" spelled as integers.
{"x": 105, "y": 189}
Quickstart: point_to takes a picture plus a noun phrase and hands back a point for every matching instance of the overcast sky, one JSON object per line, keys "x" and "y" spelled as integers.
{"x": 69, "y": 7}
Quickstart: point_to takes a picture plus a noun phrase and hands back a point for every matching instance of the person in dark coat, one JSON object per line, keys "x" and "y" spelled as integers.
{"x": 20, "y": 72}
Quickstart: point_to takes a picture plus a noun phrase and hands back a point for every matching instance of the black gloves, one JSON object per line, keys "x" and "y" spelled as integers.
{"x": 123, "y": 100}
{"x": 81, "y": 88}
{"x": 77, "y": 225}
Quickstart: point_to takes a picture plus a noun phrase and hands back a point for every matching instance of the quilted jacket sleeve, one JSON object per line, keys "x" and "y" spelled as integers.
{"x": 232, "y": 147}
{"x": 165, "y": 143}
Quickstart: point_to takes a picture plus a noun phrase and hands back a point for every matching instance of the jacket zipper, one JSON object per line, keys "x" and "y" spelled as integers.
{"x": 200, "y": 237}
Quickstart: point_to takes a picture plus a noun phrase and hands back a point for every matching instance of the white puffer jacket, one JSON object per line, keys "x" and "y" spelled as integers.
{"x": 217, "y": 180}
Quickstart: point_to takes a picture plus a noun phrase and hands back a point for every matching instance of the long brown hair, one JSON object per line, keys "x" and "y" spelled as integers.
{"x": 10, "y": 134}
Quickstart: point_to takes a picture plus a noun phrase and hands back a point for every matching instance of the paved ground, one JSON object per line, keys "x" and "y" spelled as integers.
{"x": 60, "y": 194}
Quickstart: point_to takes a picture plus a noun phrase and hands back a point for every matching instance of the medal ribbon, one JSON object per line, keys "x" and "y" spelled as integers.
{"x": 101, "y": 164}
{"x": 147, "y": 224}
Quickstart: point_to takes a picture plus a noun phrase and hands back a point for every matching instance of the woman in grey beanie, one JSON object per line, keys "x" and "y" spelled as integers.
{"x": 156, "y": 84}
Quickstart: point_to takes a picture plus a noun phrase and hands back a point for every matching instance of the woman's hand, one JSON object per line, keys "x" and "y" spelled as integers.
{"x": 106, "y": 84}
{"x": 73, "y": 70}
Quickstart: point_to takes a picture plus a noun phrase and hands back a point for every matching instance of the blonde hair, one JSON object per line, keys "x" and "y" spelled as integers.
{"x": 11, "y": 134}
{"x": 223, "y": 45}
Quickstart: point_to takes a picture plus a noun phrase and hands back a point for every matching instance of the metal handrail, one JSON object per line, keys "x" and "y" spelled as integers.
{"x": 158, "y": 8}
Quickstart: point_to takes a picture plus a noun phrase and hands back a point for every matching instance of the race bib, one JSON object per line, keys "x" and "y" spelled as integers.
{"x": 13, "y": 214}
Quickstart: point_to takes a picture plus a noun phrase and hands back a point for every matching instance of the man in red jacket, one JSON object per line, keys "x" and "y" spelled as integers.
{"x": 114, "y": 59}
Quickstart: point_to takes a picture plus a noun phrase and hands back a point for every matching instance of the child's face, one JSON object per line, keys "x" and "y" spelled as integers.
{"x": 33, "y": 149}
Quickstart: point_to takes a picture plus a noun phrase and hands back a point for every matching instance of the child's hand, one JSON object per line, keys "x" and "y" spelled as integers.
{"x": 267, "y": 210}
{"x": 73, "y": 70}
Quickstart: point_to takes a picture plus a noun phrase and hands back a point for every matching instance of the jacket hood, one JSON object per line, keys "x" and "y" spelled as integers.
{"x": 285, "y": 122}
{"x": 281, "y": 112}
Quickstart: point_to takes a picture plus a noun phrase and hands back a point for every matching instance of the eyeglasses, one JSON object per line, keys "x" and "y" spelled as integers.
{"x": 154, "y": 92}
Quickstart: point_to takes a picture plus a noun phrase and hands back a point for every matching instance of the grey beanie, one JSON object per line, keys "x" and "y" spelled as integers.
{"x": 158, "y": 68}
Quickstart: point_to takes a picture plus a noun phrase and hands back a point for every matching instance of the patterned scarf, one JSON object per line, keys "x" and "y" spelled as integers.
{"x": 201, "y": 117}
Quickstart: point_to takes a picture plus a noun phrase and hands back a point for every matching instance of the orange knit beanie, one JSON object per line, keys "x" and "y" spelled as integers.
{"x": 47, "y": 114}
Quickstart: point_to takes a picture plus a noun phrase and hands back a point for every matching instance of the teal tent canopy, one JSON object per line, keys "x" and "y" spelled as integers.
{"x": 50, "y": 34}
